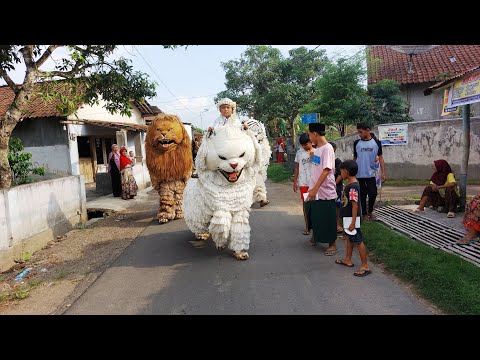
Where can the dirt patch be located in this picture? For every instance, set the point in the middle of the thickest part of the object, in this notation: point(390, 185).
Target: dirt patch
point(56, 275)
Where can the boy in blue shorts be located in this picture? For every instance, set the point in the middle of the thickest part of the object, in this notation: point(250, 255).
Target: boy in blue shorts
point(350, 212)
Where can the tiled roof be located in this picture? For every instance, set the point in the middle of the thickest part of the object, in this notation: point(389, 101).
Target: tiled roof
point(38, 107)
point(146, 108)
point(444, 61)
point(449, 80)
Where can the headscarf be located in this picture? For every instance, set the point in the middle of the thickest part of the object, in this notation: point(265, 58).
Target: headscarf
point(124, 160)
point(439, 177)
point(279, 140)
point(116, 158)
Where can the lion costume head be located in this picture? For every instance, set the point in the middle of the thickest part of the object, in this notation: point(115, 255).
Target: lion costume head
point(168, 149)
point(227, 153)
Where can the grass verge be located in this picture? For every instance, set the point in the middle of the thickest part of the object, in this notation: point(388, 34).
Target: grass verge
point(20, 292)
point(279, 173)
point(446, 280)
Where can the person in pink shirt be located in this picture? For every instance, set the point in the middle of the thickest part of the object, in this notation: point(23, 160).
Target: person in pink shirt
point(322, 193)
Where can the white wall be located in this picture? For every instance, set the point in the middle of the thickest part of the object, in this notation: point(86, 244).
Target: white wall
point(73, 150)
point(188, 127)
point(99, 113)
point(141, 175)
point(131, 141)
point(54, 158)
point(32, 214)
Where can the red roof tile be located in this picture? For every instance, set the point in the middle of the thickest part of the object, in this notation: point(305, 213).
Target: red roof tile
point(38, 107)
point(429, 66)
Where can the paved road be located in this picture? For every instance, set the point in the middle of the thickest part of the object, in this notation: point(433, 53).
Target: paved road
point(165, 271)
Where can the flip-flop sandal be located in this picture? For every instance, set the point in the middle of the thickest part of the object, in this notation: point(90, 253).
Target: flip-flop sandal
point(306, 232)
point(330, 252)
point(312, 243)
point(341, 262)
point(451, 215)
point(362, 273)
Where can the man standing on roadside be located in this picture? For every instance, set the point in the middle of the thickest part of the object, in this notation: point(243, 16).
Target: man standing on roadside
point(365, 151)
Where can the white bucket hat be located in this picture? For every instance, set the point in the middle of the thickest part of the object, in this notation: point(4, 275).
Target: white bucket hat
point(227, 101)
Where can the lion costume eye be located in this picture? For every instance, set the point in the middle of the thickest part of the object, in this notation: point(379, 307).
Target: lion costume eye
point(221, 157)
point(170, 130)
point(242, 155)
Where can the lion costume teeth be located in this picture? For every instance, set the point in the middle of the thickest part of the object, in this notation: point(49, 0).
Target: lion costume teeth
point(218, 202)
point(169, 161)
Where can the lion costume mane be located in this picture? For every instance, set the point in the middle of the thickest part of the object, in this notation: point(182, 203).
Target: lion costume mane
point(169, 161)
point(218, 202)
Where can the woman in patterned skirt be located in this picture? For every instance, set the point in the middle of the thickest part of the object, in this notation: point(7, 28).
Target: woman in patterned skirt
point(129, 185)
point(471, 221)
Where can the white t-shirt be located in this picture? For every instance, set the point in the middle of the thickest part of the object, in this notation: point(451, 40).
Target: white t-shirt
point(221, 121)
point(304, 167)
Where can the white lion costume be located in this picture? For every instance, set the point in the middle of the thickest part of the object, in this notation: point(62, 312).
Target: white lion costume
point(260, 191)
point(218, 202)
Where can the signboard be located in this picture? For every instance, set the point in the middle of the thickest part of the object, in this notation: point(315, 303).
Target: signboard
point(465, 91)
point(445, 109)
point(393, 134)
point(309, 118)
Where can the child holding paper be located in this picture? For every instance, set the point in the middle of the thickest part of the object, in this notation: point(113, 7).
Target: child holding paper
point(351, 214)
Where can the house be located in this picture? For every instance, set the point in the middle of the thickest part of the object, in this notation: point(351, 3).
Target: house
point(78, 144)
point(419, 71)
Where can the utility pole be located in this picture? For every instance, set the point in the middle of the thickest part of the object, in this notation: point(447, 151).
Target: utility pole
point(465, 155)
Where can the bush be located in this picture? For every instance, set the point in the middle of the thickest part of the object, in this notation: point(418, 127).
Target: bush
point(20, 163)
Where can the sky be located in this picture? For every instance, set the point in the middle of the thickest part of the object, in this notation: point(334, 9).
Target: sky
point(189, 79)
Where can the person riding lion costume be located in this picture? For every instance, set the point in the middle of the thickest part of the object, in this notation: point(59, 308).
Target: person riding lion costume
point(169, 161)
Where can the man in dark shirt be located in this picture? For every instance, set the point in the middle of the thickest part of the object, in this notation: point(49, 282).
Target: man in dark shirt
point(365, 151)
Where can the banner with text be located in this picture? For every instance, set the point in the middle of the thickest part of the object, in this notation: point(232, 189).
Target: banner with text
point(393, 134)
point(465, 91)
point(445, 109)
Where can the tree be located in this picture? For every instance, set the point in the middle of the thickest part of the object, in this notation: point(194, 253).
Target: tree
point(20, 163)
point(87, 73)
point(271, 88)
point(388, 104)
point(340, 98)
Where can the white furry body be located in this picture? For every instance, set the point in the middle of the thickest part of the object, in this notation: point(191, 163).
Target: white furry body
point(260, 191)
point(214, 205)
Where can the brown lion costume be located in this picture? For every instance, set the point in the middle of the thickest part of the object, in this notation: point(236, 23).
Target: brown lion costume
point(169, 161)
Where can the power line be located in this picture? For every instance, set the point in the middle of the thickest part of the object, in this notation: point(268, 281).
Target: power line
point(158, 77)
point(187, 97)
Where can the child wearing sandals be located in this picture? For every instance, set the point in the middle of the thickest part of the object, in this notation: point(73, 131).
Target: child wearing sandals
point(350, 209)
point(302, 175)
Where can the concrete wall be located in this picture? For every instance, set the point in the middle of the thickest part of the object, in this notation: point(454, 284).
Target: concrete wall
point(99, 113)
point(427, 141)
point(425, 108)
point(55, 159)
point(46, 140)
point(73, 150)
point(32, 215)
